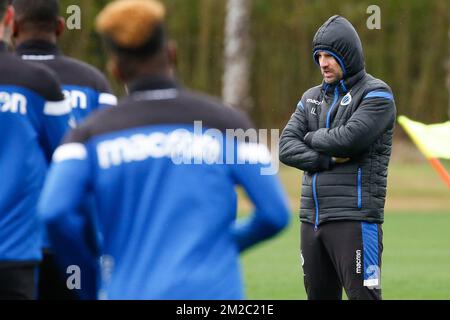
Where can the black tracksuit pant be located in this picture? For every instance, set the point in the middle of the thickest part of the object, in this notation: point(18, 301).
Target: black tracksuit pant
point(340, 255)
point(52, 284)
point(18, 281)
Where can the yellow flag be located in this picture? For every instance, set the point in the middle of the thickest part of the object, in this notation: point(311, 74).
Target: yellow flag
point(432, 140)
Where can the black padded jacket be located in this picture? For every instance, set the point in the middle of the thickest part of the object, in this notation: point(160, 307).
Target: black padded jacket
point(352, 118)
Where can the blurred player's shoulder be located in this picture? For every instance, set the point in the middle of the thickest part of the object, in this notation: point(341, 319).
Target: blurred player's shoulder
point(37, 78)
point(185, 107)
point(76, 72)
point(217, 114)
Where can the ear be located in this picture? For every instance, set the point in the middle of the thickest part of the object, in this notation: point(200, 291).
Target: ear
point(16, 29)
point(114, 69)
point(8, 20)
point(60, 26)
point(172, 54)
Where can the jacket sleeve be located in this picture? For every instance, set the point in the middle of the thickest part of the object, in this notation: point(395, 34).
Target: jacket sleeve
point(272, 213)
point(53, 118)
point(293, 150)
point(69, 223)
point(373, 117)
point(106, 97)
point(55, 125)
point(101, 85)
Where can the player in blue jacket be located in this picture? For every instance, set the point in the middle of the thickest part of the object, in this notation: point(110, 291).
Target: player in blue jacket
point(164, 187)
point(37, 27)
point(34, 117)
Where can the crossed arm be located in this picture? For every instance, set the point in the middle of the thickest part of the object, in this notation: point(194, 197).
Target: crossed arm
point(372, 118)
point(295, 152)
point(319, 150)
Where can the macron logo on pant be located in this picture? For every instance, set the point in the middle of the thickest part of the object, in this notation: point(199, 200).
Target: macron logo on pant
point(358, 262)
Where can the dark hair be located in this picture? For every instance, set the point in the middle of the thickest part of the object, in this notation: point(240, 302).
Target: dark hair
point(39, 14)
point(152, 46)
point(130, 59)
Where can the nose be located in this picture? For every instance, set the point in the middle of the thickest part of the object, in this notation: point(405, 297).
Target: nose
point(323, 62)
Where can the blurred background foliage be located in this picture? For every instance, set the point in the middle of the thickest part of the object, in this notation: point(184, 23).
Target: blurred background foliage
point(410, 52)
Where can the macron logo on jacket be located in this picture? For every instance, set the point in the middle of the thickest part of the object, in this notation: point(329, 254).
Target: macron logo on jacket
point(85, 98)
point(313, 101)
point(13, 103)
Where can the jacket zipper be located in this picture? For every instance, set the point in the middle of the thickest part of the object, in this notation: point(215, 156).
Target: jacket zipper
point(359, 188)
point(336, 97)
point(316, 200)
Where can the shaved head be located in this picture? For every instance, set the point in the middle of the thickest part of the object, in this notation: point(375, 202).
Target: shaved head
point(37, 14)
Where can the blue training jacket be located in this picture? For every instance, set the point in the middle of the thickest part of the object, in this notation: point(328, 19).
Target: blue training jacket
point(86, 87)
point(33, 120)
point(168, 225)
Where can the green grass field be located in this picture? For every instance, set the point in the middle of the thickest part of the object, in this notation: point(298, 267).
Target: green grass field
point(416, 260)
point(416, 257)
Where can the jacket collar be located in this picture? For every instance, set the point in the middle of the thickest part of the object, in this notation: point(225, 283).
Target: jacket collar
point(344, 85)
point(37, 48)
point(149, 83)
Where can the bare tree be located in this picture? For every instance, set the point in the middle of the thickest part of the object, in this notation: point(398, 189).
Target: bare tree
point(448, 74)
point(237, 55)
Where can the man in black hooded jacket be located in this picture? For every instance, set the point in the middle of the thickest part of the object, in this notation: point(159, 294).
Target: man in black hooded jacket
point(340, 135)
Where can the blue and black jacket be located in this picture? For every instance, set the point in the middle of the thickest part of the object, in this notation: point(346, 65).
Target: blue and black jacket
point(34, 116)
point(164, 186)
point(352, 118)
point(86, 87)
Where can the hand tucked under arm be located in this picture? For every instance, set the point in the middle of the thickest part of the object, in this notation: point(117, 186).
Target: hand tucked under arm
point(295, 152)
point(366, 125)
